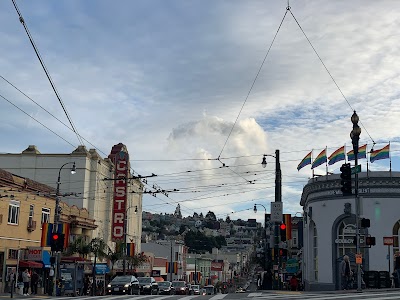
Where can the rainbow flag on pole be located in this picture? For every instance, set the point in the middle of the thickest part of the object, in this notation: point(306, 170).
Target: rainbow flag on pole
point(336, 156)
point(380, 154)
point(362, 153)
point(321, 158)
point(130, 249)
point(306, 161)
point(47, 231)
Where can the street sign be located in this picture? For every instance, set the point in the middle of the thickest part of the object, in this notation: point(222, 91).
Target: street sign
point(388, 240)
point(356, 169)
point(276, 211)
point(359, 259)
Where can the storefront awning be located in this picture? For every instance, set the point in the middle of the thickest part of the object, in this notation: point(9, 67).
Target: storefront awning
point(30, 264)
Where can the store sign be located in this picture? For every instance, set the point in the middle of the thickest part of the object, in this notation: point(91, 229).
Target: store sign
point(120, 195)
point(217, 266)
point(388, 240)
point(34, 253)
point(344, 241)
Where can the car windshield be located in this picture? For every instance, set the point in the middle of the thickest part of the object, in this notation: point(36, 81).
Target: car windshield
point(163, 284)
point(195, 287)
point(119, 279)
point(144, 280)
point(178, 283)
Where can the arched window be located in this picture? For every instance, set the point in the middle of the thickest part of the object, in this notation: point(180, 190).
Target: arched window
point(314, 235)
point(396, 229)
point(345, 237)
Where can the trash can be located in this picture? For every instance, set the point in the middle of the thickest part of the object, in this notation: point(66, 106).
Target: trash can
point(371, 279)
point(384, 279)
point(20, 288)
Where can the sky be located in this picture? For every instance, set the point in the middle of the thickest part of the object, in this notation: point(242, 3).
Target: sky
point(175, 81)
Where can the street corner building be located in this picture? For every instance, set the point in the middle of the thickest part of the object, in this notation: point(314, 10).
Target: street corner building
point(330, 227)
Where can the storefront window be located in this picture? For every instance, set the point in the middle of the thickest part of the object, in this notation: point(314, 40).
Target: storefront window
point(345, 238)
point(396, 229)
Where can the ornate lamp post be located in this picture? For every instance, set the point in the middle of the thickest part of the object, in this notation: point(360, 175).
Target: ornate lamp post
point(355, 137)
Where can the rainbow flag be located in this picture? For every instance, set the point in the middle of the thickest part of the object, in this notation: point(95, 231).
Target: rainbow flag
point(362, 153)
point(174, 268)
point(130, 249)
point(380, 154)
point(337, 156)
point(321, 158)
point(306, 161)
point(287, 220)
point(47, 231)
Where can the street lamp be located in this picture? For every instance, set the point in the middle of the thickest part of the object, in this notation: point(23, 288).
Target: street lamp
point(355, 137)
point(57, 214)
point(125, 235)
point(265, 232)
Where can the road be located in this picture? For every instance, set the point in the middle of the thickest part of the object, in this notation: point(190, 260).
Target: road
point(349, 295)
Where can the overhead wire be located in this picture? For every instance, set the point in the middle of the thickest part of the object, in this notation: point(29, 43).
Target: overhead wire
point(35, 48)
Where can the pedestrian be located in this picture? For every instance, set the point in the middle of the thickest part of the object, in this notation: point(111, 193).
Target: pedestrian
point(346, 272)
point(294, 283)
point(397, 268)
point(26, 279)
point(34, 282)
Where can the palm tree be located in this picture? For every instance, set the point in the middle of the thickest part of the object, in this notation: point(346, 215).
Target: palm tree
point(99, 248)
point(137, 260)
point(80, 246)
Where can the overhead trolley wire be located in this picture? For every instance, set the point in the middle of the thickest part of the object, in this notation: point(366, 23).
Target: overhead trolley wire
point(21, 19)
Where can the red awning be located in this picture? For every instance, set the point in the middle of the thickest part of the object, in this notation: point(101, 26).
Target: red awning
point(30, 264)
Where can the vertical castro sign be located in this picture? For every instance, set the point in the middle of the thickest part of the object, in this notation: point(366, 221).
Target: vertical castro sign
point(120, 195)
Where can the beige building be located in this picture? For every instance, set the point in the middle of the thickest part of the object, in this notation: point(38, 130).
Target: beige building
point(90, 188)
point(24, 206)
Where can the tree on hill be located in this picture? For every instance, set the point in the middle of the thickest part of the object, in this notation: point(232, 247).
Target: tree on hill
point(211, 216)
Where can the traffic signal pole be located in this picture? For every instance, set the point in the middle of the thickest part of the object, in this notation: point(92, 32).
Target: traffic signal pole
point(278, 198)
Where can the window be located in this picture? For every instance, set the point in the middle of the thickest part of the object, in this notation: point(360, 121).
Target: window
point(13, 212)
point(396, 234)
point(31, 212)
point(45, 215)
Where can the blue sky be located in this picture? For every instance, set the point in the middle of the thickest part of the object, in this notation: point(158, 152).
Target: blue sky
point(168, 79)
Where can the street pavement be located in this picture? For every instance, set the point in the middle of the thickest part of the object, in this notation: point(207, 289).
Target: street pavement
point(391, 294)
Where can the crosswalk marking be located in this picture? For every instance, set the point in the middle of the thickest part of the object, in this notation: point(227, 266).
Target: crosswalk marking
point(219, 296)
point(254, 295)
point(332, 296)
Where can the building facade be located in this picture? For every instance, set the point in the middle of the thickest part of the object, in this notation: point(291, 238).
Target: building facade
point(330, 227)
point(91, 188)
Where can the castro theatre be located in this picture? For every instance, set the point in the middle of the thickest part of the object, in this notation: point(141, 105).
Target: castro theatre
point(329, 226)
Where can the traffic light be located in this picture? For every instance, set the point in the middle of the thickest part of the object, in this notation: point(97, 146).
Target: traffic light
point(282, 252)
point(282, 229)
point(370, 241)
point(57, 242)
point(346, 179)
point(365, 223)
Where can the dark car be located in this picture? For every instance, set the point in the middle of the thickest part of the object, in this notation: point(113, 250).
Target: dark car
point(148, 285)
point(180, 287)
point(124, 285)
point(166, 288)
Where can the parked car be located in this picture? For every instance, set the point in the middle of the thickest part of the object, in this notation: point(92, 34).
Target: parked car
point(180, 287)
point(166, 288)
point(196, 289)
point(124, 285)
point(148, 285)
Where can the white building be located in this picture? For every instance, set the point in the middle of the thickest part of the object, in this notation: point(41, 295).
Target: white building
point(85, 189)
point(329, 226)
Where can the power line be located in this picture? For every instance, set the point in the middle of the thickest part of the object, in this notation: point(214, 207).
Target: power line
point(21, 19)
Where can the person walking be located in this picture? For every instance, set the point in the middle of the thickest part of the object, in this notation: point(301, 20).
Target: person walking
point(346, 272)
point(26, 279)
point(34, 282)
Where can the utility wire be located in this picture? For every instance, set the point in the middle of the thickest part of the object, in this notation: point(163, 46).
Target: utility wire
point(326, 68)
point(252, 85)
point(21, 19)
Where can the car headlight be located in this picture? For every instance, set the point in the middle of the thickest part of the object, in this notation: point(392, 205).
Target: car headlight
point(109, 285)
point(147, 286)
point(126, 285)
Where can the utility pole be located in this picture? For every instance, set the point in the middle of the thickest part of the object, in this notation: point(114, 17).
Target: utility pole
point(278, 198)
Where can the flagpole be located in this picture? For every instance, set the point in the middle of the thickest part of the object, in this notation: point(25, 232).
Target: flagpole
point(326, 161)
point(345, 154)
point(390, 162)
point(367, 160)
point(312, 152)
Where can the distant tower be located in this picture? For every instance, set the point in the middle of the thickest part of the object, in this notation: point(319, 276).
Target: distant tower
point(177, 213)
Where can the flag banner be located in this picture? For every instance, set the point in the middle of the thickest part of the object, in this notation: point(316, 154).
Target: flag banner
point(336, 156)
point(47, 231)
point(306, 161)
point(130, 249)
point(379, 154)
point(174, 268)
point(287, 219)
point(321, 158)
point(362, 153)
